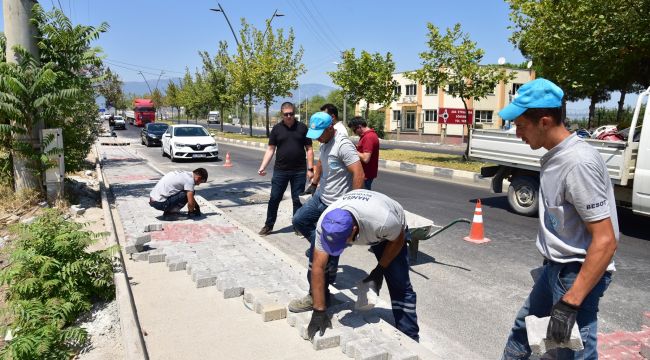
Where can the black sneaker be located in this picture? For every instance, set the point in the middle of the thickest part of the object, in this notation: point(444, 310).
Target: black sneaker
point(266, 230)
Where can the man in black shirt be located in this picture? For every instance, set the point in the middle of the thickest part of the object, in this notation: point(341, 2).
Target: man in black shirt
point(293, 163)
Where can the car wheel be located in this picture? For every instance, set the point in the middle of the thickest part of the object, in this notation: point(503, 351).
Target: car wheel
point(523, 195)
point(162, 151)
point(171, 155)
point(142, 141)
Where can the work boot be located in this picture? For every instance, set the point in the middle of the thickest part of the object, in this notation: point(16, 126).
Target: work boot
point(266, 230)
point(301, 305)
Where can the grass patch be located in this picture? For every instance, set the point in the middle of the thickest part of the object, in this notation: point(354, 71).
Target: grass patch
point(415, 157)
point(433, 159)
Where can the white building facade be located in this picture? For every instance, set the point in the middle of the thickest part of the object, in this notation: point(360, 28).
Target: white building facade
point(424, 113)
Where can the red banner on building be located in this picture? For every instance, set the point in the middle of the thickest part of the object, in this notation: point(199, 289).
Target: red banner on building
point(455, 116)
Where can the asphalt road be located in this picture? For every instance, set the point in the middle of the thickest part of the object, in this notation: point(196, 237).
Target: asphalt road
point(468, 294)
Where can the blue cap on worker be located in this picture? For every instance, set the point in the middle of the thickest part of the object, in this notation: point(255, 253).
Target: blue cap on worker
point(537, 94)
point(336, 228)
point(318, 123)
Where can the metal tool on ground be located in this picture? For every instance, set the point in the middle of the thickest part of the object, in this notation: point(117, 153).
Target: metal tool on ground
point(476, 233)
point(425, 233)
point(228, 162)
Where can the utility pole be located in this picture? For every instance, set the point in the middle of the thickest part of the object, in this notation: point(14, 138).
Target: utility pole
point(20, 31)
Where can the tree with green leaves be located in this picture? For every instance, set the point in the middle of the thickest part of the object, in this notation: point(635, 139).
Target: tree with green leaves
point(110, 87)
point(158, 101)
point(56, 89)
point(218, 78)
point(276, 66)
point(369, 77)
point(242, 69)
point(336, 97)
point(173, 97)
point(454, 61)
point(588, 47)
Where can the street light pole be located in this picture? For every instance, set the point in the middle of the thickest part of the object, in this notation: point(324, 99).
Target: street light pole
point(221, 10)
point(268, 24)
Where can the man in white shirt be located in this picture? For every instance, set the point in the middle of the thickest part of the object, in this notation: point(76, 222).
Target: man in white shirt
point(364, 217)
point(175, 190)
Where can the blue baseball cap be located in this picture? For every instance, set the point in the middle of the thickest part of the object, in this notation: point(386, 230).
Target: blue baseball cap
point(336, 228)
point(536, 94)
point(318, 123)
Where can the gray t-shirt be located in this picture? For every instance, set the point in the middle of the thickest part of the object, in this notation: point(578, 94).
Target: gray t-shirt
point(335, 157)
point(380, 218)
point(172, 183)
point(574, 188)
point(341, 129)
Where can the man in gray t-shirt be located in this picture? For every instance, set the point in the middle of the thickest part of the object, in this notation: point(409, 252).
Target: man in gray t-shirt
point(578, 232)
point(340, 171)
point(176, 189)
point(364, 217)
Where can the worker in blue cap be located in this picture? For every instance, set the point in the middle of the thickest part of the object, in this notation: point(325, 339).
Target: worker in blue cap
point(578, 225)
point(365, 217)
point(338, 171)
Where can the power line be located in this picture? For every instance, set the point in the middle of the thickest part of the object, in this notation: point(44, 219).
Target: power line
point(310, 27)
point(319, 25)
point(145, 67)
point(315, 25)
point(134, 70)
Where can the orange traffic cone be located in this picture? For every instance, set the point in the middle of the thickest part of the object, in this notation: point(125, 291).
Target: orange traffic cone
point(476, 232)
point(228, 162)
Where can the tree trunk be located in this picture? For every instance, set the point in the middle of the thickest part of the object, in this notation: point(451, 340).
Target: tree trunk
point(367, 111)
point(469, 129)
point(20, 31)
point(266, 106)
point(250, 113)
point(621, 103)
point(592, 110)
point(221, 118)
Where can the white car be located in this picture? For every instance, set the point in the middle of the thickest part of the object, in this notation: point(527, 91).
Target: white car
point(119, 122)
point(189, 142)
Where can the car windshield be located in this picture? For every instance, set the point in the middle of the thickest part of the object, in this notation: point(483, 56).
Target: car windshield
point(118, 118)
point(190, 131)
point(157, 127)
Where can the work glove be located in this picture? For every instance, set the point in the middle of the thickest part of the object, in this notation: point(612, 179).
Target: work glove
point(319, 321)
point(310, 190)
point(375, 279)
point(563, 317)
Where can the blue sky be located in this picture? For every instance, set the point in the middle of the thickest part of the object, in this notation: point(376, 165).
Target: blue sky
point(155, 35)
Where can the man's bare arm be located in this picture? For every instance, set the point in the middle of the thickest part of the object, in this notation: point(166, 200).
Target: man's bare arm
point(357, 175)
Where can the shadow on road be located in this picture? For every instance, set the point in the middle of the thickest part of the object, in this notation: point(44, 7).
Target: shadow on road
point(633, 225)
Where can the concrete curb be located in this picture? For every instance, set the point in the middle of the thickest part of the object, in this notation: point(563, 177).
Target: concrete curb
point(434, 172)
point(133, 342)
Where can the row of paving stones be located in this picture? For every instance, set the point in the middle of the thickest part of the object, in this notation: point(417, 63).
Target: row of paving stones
point(215, 252)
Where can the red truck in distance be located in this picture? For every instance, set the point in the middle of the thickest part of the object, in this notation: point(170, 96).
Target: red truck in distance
point(144, 111)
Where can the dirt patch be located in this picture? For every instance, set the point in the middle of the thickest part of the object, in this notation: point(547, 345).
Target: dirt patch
point(103, 326)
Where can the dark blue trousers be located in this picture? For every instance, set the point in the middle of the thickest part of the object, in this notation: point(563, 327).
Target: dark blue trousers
point(279, 183)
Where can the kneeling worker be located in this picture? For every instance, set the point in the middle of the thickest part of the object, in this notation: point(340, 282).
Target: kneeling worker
point(176, 189)
point(364, 217)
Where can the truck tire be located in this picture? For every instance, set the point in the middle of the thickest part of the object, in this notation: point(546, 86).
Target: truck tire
point(523, 195)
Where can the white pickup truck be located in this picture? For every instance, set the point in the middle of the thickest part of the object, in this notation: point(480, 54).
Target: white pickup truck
point(628, 163)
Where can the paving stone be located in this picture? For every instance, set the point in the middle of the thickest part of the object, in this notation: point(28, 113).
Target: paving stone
point(296, 319)
point(352, 345)
point(156, 257)
point(536, 330)
point(140, 256)
point(398, 352)
point(272, 311)
point(177, 265)
point(153, 227)
point(132, 249)
point(204, 279)
point(331, 338)
point(142, 239)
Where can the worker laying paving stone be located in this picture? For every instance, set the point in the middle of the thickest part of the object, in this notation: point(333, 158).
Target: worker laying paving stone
point(215, 252)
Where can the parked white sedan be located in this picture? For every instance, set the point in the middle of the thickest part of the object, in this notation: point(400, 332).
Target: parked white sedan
point(189, 142)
